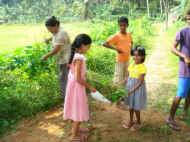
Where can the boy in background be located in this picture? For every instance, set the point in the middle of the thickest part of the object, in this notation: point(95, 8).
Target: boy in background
point(121, 42)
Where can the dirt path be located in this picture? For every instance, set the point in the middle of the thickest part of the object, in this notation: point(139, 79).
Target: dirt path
point(161, 77)
point(157, 64)
point(50, 127)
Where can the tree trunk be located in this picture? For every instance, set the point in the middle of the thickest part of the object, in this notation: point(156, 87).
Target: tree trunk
point(148, 9)
point(161, 8)
point(86, 4)
point(166, 7)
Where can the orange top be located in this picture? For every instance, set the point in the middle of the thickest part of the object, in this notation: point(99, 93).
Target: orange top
point(123, 42)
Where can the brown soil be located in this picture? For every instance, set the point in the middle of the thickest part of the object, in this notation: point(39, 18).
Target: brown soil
point(50, 127)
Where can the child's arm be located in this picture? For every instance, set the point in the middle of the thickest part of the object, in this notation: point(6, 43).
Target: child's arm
point(54, 51)
point(47, 40)
point(178, 53)
point(140, 82)
point(107, 45)
point(78, 67)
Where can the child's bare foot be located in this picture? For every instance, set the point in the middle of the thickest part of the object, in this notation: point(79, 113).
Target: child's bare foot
point(127, 126)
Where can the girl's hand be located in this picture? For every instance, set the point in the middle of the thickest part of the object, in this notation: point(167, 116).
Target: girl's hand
point(92, 89)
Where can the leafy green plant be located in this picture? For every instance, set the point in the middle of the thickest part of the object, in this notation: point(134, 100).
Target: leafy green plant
point(25, 84)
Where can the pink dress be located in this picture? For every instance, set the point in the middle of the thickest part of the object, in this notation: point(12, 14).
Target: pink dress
point(76, 101)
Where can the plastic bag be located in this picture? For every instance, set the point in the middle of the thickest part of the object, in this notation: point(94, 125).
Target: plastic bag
point(99, 97)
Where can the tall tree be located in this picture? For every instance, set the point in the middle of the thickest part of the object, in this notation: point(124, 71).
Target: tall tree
point(161, 7)
point(86, 5)
point(166, 7)
point(148, 8)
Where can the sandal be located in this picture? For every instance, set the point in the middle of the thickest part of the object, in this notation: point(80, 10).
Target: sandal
point(168, 121)
point(127, 126)
point(173, 125)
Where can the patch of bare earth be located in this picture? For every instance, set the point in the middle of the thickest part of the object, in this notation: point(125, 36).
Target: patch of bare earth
point(50, 127)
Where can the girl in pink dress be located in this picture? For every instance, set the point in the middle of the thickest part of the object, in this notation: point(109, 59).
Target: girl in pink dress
point(76, 101)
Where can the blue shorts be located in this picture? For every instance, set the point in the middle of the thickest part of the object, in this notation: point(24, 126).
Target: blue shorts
point(183, 87)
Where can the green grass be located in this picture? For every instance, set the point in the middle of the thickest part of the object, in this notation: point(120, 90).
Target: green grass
point(14, 36)
point(19, 35)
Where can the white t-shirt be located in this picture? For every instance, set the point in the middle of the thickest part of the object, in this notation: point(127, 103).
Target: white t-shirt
point(62, 38)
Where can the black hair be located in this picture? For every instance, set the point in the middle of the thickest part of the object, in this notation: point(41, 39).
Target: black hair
point(81, 39)
point(52, 22)
point(141, 52)
point(123, 19)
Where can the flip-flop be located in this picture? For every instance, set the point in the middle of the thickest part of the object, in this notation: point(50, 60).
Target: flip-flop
point(127, 126)
point(172, 122)
point(173, 125)
point(176, 128)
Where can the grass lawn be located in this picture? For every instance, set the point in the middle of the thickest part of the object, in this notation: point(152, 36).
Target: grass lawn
point(14, 36)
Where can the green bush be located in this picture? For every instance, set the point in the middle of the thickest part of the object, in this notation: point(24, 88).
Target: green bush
point(103, 83)
point(27, 85)
point(101, 60)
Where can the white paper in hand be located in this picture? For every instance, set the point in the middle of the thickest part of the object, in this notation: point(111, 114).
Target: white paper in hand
point(99, 97)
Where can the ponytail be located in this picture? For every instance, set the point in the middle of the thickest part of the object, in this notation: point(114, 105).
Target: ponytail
point(72, 54)
point(81, 39)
